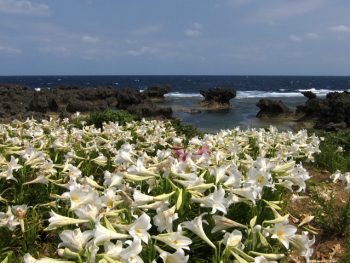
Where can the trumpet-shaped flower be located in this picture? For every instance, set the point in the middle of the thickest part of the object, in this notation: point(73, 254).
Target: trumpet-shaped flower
point(8, 220)
point(102, 234)
point(131, 253)
point(139, 228)
point(177, 257)
point(165, 218)
point(233, 240)
point(196, 226)
point(80, 197)
point(113, 250)
point(216, 201)
point(223, 223)
point(175, 240)
point(12, 166)
point(284, 233)
point(30, 259)
point(303, 245)
point(262, 259)
point(113, 179)
point(57, 220)
point(75, 239)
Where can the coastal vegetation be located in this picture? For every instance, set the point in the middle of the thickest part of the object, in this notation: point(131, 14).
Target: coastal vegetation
point(111, 187)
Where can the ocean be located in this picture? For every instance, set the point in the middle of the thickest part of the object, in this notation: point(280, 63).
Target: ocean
point(184, 95)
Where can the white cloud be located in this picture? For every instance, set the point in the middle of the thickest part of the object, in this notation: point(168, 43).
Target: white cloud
point(9, 50)
point(58, 50)
point(295, 38)
point(312, 35)
point(24, 7)
point(144, 50)
point(194, 31)
point(289, 9)
point(340, 29)
point(146, 30)
point(90, 39)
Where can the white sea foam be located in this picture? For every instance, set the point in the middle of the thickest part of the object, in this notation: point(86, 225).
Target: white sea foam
point(259, 94)
point(182, 95)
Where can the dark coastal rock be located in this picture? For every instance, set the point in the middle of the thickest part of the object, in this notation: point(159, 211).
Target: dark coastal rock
point(156, 92)
point(331, 112)
point(217, 98)
point(272, 108)
point(19, 102)
point(150, 110)
point(38, 103)
point(309, 94)
point(331, 126)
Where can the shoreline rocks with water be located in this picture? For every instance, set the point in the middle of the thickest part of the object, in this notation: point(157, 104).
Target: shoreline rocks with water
point(272, 108)
point(157, 92)
point(21, 102)
point(217, 98)
point(329, 113)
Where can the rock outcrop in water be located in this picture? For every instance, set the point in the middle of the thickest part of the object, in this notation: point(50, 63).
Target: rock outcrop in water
point(217, 98)
point(330, 113)
point(272, 108)
point(157, 92)
point(19, 102)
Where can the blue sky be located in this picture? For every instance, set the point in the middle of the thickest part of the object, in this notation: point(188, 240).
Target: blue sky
point(225, 37)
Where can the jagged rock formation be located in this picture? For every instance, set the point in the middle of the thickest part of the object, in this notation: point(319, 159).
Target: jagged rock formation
point(217, 98)
point(19, 102)
point(272, 108)
point(330, 113)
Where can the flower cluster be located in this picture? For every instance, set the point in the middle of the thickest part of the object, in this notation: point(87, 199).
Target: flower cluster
point(142, 193)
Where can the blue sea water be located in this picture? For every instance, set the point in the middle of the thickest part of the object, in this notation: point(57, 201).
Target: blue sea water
point(185, 96)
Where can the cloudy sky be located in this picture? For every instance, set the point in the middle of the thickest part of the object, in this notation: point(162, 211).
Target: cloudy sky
point(225, 37)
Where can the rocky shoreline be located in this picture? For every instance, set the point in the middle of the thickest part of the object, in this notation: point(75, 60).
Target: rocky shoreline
point(21, 102)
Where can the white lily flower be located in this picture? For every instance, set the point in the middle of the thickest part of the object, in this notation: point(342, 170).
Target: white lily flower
point(175, 240)
point(102, 234)
point(113, 250)
point(303, 245)
point(177, 257)
point(139, 228)
point(113, 179)
point(11, 167)
point(131, 253)
point(57, 220)
point(248, 193)
point(216, 201)
point(75, 239)
point(80, 197)
point(29, 259)
point(165, 218)
point(284, 232)
point(140, 169)
point(100, 160)
point(262, 259)
point(233, 240)
point(141, 198)
point(8, 220)
point(223, 223)
point(73, 171)
point(196, 226)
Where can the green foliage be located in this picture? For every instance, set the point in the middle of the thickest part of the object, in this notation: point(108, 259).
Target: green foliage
point(332, 157)
point(99, 117)
point(188, 130)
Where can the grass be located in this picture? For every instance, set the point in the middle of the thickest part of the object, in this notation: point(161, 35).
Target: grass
point(332, 157)
point(330, 203)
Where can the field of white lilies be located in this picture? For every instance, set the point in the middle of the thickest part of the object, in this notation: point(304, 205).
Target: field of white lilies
point(143, 193)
